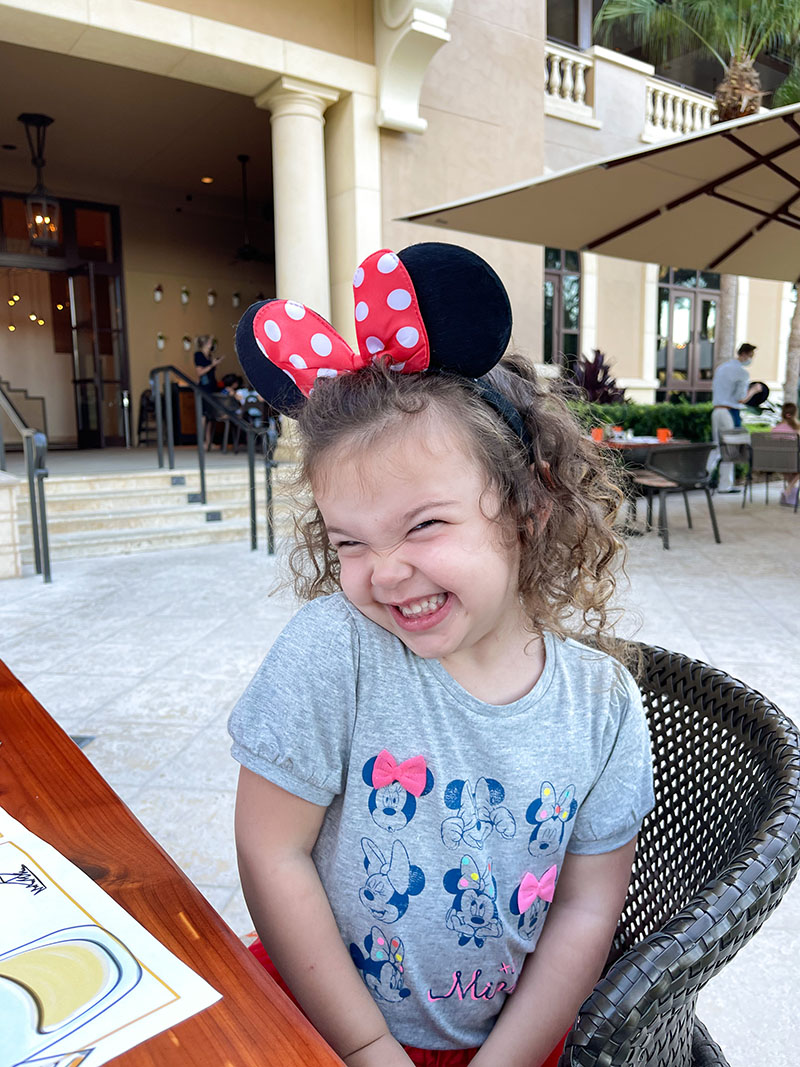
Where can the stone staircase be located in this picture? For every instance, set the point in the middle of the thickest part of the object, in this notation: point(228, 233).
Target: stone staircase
point(141, 511)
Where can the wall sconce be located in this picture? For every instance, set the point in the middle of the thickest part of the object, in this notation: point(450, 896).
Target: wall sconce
point(211, 297)
point(236, 299)
point(42, 211)
point(161, 341)
point(186, 341)
point(185, 294)
point(158, 293)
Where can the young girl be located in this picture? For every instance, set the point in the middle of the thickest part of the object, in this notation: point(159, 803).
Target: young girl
point(440, 789)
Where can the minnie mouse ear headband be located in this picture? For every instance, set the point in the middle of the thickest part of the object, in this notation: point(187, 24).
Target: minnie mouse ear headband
point(430, 307)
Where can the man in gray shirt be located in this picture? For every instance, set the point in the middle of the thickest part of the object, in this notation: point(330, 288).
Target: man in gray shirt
point(731, 391)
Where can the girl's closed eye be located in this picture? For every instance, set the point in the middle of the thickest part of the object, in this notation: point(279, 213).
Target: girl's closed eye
point(425, 525)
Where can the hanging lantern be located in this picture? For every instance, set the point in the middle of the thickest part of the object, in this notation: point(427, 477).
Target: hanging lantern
point(185, 294)
point(186, 341)
point(158, 293)
point(42, 211)
point(236, 299)
point(211, 297)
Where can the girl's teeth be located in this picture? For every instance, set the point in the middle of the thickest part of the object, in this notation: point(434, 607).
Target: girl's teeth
point(423, 606)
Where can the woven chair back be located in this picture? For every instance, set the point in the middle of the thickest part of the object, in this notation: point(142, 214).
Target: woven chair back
point(776, 453)
point(684, 464)
point(714, 857)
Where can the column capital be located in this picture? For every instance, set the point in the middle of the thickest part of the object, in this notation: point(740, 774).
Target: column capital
point(294, 96)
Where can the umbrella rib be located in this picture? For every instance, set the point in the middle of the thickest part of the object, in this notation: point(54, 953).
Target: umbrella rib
point(790, 178)
point(695, 193)
point(771, 217)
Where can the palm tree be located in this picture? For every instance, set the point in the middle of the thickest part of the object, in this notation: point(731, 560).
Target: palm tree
point(735, 33)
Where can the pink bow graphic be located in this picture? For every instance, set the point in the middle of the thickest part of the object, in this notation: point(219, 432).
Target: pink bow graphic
point(411, 773)
point(532, 888)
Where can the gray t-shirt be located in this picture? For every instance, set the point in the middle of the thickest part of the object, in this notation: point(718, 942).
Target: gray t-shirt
point(448, 818)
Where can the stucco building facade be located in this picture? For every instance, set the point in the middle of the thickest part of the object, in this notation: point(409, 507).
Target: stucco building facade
point(351, 113)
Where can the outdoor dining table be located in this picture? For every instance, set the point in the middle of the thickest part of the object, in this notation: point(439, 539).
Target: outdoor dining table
point(49, 785)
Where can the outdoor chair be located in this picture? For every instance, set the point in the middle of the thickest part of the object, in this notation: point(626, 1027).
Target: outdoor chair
point(675, 469)
point(773, 453)
point(714, 857)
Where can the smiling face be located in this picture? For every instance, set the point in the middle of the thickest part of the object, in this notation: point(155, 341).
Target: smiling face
point(419, 551)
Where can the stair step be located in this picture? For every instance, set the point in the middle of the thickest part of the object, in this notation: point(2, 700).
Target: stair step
point(86, 544)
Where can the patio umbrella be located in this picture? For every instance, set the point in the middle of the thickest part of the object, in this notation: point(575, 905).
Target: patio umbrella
point(726, 199)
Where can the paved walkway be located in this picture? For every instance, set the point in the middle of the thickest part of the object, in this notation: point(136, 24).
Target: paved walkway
point(146, 654)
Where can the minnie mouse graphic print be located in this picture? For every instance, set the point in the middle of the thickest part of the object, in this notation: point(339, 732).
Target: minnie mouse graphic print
point(440, 854)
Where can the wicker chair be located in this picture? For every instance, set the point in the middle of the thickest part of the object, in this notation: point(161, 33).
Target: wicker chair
point(706, 874)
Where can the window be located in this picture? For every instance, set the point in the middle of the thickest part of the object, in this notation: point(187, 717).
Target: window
point(688, 302)
point(562, 306)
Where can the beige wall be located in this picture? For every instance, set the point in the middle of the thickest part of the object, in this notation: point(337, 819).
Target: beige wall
point(176, 250)
point(764, 330)
point(483, 100)
point(340, 26)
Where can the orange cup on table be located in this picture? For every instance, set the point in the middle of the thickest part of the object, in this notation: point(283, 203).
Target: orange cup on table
point(597, 433)
point(663, 434)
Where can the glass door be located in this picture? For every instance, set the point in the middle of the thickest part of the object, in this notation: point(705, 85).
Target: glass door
point(687, 320)
point(98, 356)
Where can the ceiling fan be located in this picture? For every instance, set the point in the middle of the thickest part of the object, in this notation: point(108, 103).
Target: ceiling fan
point(248, 252)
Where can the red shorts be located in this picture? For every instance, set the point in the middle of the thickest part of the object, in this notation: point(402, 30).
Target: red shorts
point(457, 1057)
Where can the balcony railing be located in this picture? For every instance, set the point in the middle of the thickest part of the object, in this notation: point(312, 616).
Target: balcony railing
point(568, 83)
point(574, 80)
point(673, 110)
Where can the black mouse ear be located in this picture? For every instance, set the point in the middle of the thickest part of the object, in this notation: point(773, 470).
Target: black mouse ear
point(268, 380)
point(464, 306)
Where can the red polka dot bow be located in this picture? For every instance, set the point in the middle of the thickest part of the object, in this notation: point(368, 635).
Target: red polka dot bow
point(388, 326)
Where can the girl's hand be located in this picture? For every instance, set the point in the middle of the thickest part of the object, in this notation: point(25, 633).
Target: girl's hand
point(386, 1051)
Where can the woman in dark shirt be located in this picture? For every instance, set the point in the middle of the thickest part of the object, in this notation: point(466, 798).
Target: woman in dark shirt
point(204, 366)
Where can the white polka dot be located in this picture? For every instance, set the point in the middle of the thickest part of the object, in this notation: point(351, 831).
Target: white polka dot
point(397, 366)
point(362, 310)
point(374, 344)
point(294, 310)
point(358, 277)
point(327, 372)
point(321, 344)
point(298, 361)
point(398, 299)
point(272, 330)
point(407, 336)
point(387, 262)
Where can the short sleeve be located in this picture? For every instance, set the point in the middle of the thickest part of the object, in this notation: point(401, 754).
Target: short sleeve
point(294, 723)
point(622, 793)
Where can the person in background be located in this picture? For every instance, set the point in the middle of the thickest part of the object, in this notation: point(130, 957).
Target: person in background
point(204, 364)
point(731, 392)
point(789, 424)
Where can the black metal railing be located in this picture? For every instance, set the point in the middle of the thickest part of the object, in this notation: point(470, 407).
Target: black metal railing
point(162, 380)
point(34, 448)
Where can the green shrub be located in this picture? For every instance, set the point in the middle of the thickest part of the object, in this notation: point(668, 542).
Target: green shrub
point(692, 422)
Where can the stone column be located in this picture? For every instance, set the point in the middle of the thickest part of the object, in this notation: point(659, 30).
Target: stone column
point(297, 110)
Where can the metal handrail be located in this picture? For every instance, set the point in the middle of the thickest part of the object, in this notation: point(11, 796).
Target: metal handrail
point(34, 447)
point(162, 376)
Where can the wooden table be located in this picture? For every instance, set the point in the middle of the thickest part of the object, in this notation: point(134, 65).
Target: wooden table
point(48, 784)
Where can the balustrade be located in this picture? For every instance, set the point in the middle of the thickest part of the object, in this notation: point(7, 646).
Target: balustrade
point(671, 111)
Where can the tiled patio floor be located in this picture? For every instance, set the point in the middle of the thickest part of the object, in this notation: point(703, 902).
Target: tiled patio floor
point(146, 655)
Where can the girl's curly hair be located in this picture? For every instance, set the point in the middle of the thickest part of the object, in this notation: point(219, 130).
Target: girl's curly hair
point(559, 502)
